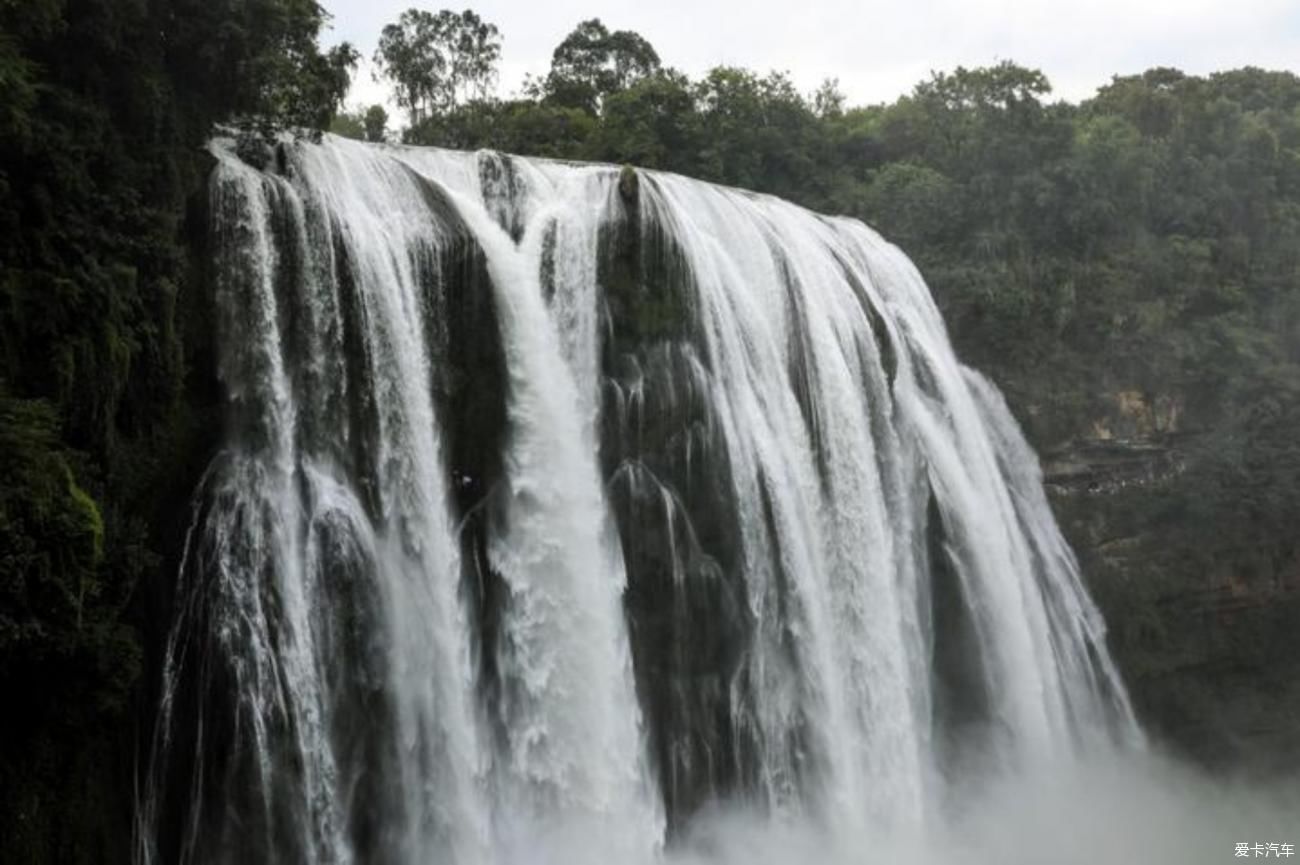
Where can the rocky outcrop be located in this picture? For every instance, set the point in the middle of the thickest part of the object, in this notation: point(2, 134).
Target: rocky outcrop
point(1091, 466)
point(1204, 630)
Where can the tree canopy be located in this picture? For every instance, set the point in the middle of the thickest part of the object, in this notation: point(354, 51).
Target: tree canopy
point(364, 124)
point(593, 63)
point(438, 61)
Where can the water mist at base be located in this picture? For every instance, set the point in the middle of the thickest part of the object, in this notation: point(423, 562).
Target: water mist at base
point(1115, 809)
point(568, 515)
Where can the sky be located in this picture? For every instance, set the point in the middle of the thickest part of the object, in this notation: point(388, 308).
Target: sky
point(877, 50)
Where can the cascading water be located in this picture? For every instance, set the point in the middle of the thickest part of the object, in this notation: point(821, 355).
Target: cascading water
point(560, 503)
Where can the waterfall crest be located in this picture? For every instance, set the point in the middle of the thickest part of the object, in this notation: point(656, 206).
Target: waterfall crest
point(558, 504)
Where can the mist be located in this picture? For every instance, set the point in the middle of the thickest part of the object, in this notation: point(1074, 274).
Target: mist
point(1115, 808)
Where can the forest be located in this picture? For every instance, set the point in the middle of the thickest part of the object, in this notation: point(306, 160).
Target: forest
point(1145, 240)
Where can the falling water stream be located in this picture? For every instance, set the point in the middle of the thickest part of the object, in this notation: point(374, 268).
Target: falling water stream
point(560, 507)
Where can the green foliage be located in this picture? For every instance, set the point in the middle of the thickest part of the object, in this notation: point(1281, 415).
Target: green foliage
point(652, 123)
point(349, 124)
point(375, 122)
point(438, 61)
point(828, 101)
point(67, 657)
point(593, 63)
point(255, 62)
point(104, 107)
point(53, 535)
point(921, 201)
point(363, 124)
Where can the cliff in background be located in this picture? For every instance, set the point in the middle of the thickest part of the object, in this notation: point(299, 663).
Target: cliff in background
point(1203, 623)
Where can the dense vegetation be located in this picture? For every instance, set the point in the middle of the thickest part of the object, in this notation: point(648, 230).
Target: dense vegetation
point(1145, 241)
point(104, 108)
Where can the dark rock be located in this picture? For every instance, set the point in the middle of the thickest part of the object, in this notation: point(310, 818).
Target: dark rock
point(1107, 466)
point(629, 185)
point(1204, 633)
point(255, 151)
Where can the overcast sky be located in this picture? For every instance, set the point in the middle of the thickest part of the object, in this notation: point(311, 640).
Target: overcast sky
point(879, 50)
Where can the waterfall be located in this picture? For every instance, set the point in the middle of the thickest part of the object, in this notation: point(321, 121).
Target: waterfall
point(559, 505)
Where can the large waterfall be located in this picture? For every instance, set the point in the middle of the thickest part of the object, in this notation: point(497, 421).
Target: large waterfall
point(561, 505)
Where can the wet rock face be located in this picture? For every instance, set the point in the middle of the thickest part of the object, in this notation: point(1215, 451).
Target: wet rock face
point(1210, 654)
point(1205, 633)
point(671, 492)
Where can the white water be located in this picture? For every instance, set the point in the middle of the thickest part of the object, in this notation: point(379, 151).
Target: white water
point(336, 687)
point(573, 750)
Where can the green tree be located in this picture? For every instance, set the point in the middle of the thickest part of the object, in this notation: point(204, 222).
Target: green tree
point(592, 63)
point(653, 123)
point(476, 51)
point(375, 123)
point(349, 123)
point(254, 61)
point(758, 132)
point(438, 61)
point(363, 124)
point(828, 100)
point(408, 57)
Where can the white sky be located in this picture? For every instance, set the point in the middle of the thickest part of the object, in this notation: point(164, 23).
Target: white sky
point(878, 50)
